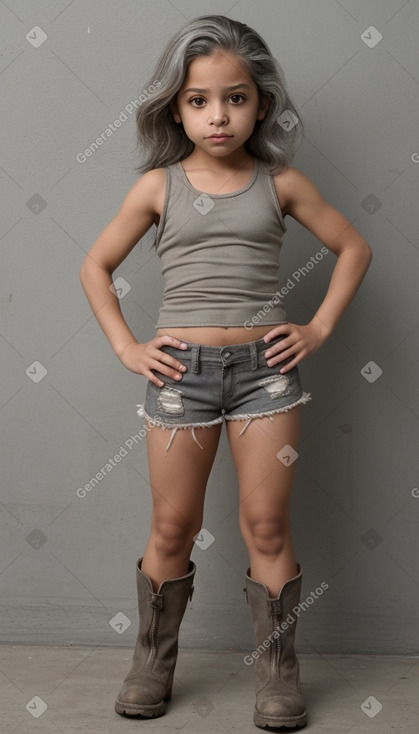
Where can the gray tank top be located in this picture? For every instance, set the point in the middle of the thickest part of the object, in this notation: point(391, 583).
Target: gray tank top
point(220, 253)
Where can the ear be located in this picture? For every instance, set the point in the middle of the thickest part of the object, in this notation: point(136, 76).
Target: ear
point(263, 106)
point(175, 113)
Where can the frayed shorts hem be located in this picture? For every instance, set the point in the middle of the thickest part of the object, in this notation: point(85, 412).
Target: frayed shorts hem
point(305, 398)
point(164, 425)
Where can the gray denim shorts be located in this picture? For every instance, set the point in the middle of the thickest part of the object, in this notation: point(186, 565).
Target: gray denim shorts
point(232, 382)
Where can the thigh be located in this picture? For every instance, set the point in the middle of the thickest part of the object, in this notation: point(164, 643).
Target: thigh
point(265, 481)
point(178, 477)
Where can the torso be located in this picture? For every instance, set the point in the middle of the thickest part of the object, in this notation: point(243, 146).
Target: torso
point(214, 335)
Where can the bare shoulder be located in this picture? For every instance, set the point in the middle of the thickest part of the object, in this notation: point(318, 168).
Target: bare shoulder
point(150, 184)
point(294, 188)
point(148, 192)
point(153, 179)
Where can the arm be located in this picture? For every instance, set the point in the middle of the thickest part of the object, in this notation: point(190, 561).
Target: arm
point(133, 220)
point(301, 200)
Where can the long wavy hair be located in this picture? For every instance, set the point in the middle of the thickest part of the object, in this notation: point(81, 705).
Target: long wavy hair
point(165, 142)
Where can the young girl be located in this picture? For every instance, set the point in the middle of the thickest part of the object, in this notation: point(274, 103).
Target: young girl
point(219, 129)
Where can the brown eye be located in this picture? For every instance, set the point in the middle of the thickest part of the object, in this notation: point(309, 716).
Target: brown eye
point(237, 98)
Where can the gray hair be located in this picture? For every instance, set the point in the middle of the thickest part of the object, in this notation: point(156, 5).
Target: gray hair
point(165, 141)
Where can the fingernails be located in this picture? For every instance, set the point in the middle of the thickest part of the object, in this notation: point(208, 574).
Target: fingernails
point(184, 346)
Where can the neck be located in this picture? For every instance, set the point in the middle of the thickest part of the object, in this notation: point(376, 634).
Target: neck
point(237, 160)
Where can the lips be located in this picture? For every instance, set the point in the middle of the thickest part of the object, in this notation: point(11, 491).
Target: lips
point(222, 135)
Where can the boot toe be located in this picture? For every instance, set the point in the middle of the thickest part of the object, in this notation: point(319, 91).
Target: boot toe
point(281, 707)
point(141, 696)
point(131, 696)
point(277, 711)
point(134, 701)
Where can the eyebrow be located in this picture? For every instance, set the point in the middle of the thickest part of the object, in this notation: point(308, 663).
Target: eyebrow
point(226, 89)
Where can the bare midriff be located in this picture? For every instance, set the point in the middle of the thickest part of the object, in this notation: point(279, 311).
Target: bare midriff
point(216, 336)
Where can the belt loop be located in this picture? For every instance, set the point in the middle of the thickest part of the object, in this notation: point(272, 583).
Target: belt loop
point(253, 355)
point(195, 358)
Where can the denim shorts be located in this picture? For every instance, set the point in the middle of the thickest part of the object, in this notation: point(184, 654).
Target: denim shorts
point(232, 382)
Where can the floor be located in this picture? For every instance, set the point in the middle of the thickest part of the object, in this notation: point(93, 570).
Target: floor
point(64, 690)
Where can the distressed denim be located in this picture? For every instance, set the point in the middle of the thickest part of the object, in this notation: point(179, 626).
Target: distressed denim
point(232, 382)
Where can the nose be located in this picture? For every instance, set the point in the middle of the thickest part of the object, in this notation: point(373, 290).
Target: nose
point(217, 115)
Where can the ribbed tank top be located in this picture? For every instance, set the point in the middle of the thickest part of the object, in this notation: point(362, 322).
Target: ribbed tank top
point(220, 253)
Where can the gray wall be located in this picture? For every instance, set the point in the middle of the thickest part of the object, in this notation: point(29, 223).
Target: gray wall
point(67, 563)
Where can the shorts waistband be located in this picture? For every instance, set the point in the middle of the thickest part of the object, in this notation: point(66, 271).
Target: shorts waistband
point(228, 354)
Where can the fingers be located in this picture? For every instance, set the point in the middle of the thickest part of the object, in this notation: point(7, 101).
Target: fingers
point(165, 363)
point(292, 346)
point(167, 359)
point(277, 331)
point(277, 359)
point(170, 340)
point(300, 342)
point(290, 365)
point(279, 348)
point(175, 373)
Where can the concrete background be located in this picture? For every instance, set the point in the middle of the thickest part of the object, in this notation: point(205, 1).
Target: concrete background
point(67, 563)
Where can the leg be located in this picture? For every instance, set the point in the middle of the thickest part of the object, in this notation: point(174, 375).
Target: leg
point(178, 481)
point(273, 582)
point(265, 494)
point(165, 573)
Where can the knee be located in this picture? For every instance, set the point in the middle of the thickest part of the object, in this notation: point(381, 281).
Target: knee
point(268, 537)
point(172, 538)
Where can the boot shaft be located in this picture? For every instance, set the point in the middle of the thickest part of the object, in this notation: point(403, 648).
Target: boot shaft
point(160, 615)
point(274, 623)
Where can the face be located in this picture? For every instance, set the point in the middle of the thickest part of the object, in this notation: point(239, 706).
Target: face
point(218, 98)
